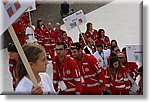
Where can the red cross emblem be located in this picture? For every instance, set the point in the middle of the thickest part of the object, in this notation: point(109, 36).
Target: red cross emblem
point(11, 6)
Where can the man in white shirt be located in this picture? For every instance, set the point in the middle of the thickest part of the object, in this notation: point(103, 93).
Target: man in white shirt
point(30, 34)
point(102, 55)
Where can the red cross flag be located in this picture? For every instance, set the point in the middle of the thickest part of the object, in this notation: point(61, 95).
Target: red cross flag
point(11, 10)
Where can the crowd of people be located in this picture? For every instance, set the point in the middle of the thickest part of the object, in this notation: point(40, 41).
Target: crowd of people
point(92, 66)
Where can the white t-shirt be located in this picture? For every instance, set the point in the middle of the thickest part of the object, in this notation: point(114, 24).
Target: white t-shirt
point(30, 30)
point(102, 58)
point(31, 38)
point(25, 85)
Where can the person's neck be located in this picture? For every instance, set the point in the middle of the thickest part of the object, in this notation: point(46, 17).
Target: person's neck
point(80, 56)
point(89, 46)
point(61, 58)
point(90, 30)
point(100, 52)
point(38, 78)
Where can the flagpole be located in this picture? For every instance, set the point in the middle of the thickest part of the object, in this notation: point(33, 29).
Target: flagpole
point(30, 18)
point(31, 22)
point(22, 55)
point(81, 35)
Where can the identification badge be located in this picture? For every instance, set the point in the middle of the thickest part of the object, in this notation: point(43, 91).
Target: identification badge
point(82, 80)
point(62, 85)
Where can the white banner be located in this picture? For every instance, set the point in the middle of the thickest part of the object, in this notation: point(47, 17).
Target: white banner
point(76, 19)
point(32, 7)
point(134, 53)
point(11, 10)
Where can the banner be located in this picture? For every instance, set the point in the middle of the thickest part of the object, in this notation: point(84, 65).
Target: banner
point(76, 19)
point(134, 53)
point(32, 7)
point(11, 10)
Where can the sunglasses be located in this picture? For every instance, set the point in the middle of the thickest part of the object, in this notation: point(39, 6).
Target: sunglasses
point(73, 47)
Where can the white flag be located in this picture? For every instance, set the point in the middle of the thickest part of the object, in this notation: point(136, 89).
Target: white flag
point(11, 10)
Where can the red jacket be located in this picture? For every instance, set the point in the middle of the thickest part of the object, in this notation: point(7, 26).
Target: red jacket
point(25, 18)
point(49, 37)
point(95, 34)
point(91, 71)
point(20, 31)
point(58, 35)
point(82, 43)
point(132, 69)
point(68, 41)
point(49, 42)
point(68, 72)
point(12, 70)
point(40, 34)
point(105, 42)
point(117, 83)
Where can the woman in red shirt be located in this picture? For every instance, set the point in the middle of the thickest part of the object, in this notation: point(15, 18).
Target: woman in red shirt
point(103, 39)
point(117, 82)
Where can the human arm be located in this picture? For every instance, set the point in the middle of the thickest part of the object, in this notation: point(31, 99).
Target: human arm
point(77, 77)
point(100, 72)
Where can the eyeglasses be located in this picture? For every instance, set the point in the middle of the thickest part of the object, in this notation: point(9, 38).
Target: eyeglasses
point(59, 49)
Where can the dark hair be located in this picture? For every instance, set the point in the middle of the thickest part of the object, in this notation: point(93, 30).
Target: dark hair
point(112, 61)
point(112, 49)
point(140, 69)
point(11, 47)
point(61, 43)
point(38, 23)
point(124, 49)
point(113, 41)
point(63, 32)
point(88, 25)
point(80, 36)
point(99, 45)
point(99, 33)
point(75, 45)
point(32, 52)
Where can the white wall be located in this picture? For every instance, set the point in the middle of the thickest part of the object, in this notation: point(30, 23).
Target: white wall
point(121, 20)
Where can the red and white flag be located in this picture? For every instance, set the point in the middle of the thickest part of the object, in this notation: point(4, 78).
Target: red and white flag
point(11, 10)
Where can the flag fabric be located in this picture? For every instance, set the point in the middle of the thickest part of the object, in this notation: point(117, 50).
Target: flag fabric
point(76, 19)
point(32, 7)
point(11, 10)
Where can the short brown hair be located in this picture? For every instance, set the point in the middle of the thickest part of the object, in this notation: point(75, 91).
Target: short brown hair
point(75, 45)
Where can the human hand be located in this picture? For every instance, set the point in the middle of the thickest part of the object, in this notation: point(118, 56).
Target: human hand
point(37, 90)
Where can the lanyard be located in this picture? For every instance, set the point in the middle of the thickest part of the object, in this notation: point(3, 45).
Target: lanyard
point(102, 58)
